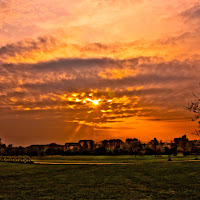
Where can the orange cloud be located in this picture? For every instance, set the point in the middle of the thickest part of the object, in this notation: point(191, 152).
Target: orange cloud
point(98, 65)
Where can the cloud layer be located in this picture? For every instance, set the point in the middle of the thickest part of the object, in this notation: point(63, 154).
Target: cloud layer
point(95, 67)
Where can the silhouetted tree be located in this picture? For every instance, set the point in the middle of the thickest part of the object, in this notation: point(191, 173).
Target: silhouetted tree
point(2, 152)
point(116, 150)
point(154, 144)
point(21, 150)
point(100, 151)
point(194, 107)
point(168, 152)
point(33, 152)
point(183, 144)
point(174, 150)
point(195, 150)
point(3, 146)
point(136, 147)
point(50, 151)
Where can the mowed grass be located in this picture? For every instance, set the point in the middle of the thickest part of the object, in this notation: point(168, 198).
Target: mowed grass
point(143, 180)
point(109, 159)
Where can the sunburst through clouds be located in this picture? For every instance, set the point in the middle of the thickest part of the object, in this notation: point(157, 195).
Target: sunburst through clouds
point(111, 69)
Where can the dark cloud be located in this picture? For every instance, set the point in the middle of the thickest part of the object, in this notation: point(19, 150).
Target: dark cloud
point(41, 43)
point(71, 64)
point(93, 83)
point(146, 88)
point(192, 13)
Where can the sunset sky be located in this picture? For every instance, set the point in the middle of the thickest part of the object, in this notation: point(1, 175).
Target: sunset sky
point(97, 69)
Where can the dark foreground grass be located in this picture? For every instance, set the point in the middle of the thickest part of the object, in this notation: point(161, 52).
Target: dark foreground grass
point(153, 180)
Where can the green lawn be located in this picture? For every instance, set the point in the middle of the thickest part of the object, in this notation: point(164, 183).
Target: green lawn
point(109, 159)
point(143, 180)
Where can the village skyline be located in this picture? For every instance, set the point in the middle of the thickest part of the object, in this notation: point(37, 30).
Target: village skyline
point(108, 147)
point(95, 69)
point(107, 141)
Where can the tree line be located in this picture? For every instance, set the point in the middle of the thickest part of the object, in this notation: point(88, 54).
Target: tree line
point(130, 147)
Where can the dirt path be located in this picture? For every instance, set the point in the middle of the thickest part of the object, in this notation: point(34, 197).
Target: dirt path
point(85, 163)
point(51, 163)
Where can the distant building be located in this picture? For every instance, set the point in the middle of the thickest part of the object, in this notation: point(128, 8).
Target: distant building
point(112, 143)
point(154, 142)
point(86, 143)
point(182, 139)
point(71, 145)
point(38, 146)
point(161, 143)
point(47, 146)
point(129, 141)
point(105, 143)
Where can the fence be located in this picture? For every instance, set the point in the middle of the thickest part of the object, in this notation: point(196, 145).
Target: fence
point(16, 160)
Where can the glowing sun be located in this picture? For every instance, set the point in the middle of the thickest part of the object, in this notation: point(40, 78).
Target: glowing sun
point(95, 102)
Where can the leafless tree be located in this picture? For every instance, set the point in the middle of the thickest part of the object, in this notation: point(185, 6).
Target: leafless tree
point(194, 107)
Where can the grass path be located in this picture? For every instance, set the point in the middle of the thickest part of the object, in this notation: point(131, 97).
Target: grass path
point(88, 163)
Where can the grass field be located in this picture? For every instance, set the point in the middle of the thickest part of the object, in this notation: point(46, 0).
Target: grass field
point(109, 159)
point(149, 178)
